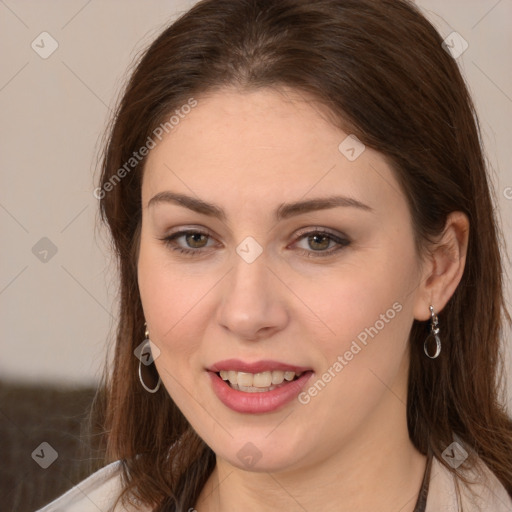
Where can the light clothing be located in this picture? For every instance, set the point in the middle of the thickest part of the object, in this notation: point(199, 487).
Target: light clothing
point(98, 492)
point(485, 494)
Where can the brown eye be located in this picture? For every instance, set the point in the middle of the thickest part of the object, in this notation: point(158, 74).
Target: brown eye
point(189, 242)
point(319, 242)
point(196, 240)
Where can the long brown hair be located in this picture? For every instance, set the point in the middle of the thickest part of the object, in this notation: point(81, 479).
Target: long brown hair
point(380, 69)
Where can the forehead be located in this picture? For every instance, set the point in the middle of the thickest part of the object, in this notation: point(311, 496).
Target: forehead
point(263, 145)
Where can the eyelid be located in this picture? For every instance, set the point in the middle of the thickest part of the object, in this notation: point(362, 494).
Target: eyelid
point(340, 239)
point(189, 229)
point(320, 229)
point(169, 238)
point(192, 229)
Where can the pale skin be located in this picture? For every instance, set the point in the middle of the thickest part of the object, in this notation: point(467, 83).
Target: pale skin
point(348, 449)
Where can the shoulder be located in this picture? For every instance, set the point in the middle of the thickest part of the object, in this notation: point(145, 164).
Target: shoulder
point(99, 491)
point(484, 493)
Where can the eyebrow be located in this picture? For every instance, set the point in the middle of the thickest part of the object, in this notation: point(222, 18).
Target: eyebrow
point(284, 211)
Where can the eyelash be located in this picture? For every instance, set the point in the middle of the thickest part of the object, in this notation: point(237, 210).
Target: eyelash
point(342, 243)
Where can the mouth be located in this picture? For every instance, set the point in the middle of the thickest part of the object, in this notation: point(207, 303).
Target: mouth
point(257, 382)
point(260, 387)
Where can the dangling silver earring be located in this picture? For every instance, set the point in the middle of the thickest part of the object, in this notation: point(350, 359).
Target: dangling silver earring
point(434, 334)
point(145, 351)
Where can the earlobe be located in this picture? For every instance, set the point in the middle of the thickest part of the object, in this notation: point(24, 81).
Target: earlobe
point(445, 267)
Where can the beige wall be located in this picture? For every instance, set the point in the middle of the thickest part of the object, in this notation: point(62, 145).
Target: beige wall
point(55, 315)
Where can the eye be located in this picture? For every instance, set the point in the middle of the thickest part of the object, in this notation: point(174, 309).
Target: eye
point(193, 241)
point(321, 243)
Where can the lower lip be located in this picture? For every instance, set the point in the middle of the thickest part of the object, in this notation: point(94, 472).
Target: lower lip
point(259, 402)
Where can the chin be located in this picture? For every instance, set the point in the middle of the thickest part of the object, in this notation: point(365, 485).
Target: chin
point(257, 453)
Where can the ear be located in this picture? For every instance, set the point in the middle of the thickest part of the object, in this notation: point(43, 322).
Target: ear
point(443, 266)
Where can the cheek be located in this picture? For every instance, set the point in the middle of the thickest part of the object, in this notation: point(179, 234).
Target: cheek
point(175, 303)
point(171, 310)
point(370, 312)
point(365, 299)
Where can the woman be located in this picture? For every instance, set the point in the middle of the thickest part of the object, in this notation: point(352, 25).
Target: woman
point(311, 290)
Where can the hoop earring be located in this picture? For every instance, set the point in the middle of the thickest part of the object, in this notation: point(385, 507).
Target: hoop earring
point(145, 350)
point(434, 334)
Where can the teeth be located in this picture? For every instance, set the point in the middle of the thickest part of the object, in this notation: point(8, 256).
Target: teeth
point(253, 389)
point(277, 377)
point(261, 380)
point(244, 381)
point(232, 376)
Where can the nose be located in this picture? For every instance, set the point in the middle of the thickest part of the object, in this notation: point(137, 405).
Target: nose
point(253, 305)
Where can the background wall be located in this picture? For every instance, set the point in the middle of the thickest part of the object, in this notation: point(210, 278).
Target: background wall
point(63, 64)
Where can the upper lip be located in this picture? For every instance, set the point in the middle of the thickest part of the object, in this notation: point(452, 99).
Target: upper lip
point(256, 366)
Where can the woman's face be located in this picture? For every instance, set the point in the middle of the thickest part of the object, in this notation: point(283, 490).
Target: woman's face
point(261, 273)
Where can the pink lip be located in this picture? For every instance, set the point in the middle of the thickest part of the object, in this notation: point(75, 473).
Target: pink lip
point(260, 402)
point(255, 367)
